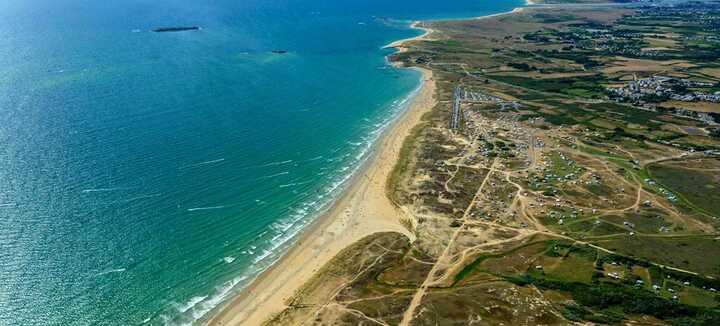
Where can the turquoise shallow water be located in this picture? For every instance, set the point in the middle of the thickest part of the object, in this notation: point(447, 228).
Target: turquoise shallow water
point(145, 177)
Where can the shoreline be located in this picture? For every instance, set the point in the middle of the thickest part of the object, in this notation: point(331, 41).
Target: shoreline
point(347, 220)
point(399, 45)
point(362, 209)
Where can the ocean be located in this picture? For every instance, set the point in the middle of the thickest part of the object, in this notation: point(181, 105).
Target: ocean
point(146, 177)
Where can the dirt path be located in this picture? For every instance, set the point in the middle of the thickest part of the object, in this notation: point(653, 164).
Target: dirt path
point(420, 293)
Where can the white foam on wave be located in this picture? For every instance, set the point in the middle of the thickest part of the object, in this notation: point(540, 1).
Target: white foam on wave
point(197, 307)
point(272, 175)
point(285, 230)
point(229, 259)
point(265, 254)
point(110, 271)
point(269, 164)
point(201, 164)
point(288, 228)
point(294, 184)
point(192, 303)
point(208, 208)
point(251, 250)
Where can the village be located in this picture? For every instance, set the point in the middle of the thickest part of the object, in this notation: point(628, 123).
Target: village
point(660, 88)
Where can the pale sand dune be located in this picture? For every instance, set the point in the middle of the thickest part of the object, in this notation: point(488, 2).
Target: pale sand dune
point(364, 209)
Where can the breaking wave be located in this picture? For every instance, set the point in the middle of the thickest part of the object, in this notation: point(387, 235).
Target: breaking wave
point(270, 246)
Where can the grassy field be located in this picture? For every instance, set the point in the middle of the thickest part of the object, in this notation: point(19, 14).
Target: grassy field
point(587, 86)
point(553, 201)
point(700, 254)
point(701, 188)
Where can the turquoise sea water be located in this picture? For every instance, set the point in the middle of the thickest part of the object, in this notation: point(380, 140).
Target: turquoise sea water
point(146, 177)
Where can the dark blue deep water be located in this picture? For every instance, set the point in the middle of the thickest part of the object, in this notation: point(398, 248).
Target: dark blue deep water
point(146, 177)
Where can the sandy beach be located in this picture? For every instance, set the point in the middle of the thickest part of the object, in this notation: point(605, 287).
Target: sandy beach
point(363, 209)
point(399, 44)
point(514, 11)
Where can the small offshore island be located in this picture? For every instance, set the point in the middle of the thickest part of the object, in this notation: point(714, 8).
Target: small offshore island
point(175, 29)
point(560, 165)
